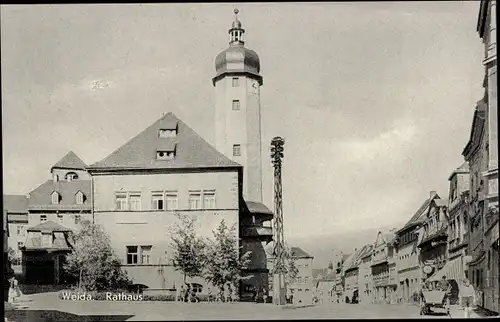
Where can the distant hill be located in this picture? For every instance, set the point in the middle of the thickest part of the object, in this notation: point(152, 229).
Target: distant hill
point(322, 246)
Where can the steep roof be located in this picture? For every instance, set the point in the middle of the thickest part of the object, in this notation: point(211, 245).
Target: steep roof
point(417, 216)
point(298, 252)
point(49, 226)
point(15, 204)
point(191, 151)
point(41, 197)
point(70, 161)
point(477, 129)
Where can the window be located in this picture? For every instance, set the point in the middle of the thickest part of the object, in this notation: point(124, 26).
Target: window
point(171, 200)
point(60, 217)
point(121, 201)
point(55, 198)
point(236, 105)
point(70, 176)
point(132, 255)
point(167, 133)
point(146, 254)
point(194, 200)
point(20, 230)
point(77, 219)
point(79, 198)
point(135, 202)
point(43, 218)
point(209, 199)
point(236, 82)
point(236, 150)
point(46, 240)
point(20, 245)
point(157, 201)
point(165, 155)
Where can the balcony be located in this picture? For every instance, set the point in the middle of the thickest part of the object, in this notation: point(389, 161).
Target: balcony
point(257, 232)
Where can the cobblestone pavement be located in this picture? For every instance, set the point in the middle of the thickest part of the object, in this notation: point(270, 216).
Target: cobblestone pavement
point(49, 306)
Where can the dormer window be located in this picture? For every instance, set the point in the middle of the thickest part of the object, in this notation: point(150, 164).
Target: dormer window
point(70, 176)
point(165, 155)
point(79, 198)
point(55, 198)
point(167, 133)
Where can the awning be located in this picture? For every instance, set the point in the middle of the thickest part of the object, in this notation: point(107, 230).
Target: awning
point(453, 270)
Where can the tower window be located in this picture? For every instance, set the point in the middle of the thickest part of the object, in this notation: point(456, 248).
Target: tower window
point(70, 176)
point(236, 150)
point(236, 82)
point(236, 105)
point(43, 218)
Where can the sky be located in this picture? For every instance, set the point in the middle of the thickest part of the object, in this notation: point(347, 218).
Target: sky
point(374, 100)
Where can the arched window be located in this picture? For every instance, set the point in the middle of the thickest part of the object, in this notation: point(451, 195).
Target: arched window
point(71, 176)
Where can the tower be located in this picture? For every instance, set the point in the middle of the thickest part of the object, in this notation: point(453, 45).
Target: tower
point(237, 109)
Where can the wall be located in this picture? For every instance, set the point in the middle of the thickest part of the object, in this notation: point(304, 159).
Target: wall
point(365, 281)
point(240, 127)
point(155, 228)
point(67, 219)
point(408, 268)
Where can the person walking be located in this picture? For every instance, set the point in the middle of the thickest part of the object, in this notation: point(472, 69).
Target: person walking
point(227, 294)
point(467, 294)
point(210, 296)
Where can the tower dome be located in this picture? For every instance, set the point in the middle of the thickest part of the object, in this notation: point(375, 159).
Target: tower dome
point(237, 59)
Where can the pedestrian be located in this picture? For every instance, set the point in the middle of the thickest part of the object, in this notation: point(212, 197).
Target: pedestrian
point(256, 295)
point(192, 295)
point(467, 294)
point(179, 294)
point(187, 292)
point(264, 295)
point(234, 293)
point(210, 299)
point(227, 294)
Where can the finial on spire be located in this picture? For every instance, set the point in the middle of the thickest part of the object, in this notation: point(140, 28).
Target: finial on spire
point(236, 32)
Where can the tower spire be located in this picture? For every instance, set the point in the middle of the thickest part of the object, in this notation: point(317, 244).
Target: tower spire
point(236, 32)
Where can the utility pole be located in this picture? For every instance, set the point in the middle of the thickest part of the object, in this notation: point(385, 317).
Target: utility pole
point(279, 284)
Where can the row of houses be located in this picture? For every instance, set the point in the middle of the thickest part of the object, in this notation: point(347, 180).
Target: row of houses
point(455, 238)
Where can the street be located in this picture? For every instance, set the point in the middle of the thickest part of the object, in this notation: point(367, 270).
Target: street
point(43, 306)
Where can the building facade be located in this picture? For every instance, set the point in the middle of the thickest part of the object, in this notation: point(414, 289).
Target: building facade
point(16, 211)
point(365, 276)
point(141, 189)
point(476, 156)
point(486, 28)
point(383, 263)
point(237, 85)
point(407, 260)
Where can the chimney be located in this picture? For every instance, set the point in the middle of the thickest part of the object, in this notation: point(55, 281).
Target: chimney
point(55, 178)
point(432, 194)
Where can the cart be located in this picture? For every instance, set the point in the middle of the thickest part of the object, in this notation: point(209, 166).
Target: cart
point(434, 299)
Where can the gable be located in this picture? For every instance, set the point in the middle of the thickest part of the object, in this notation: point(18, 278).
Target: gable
point(141, 152)
point(380, 240)
point(70, 161)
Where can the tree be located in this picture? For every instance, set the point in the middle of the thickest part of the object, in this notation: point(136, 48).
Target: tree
point(93, 261)
point(223, 262)
point(187, 247)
